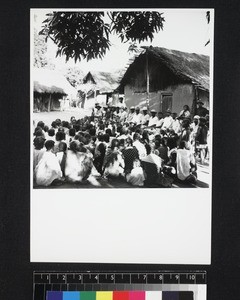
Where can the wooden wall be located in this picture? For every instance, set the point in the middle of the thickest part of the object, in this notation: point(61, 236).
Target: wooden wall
point(182, 94)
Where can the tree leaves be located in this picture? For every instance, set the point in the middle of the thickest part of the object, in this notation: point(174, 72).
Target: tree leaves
point(85, 35)
point(136, 26)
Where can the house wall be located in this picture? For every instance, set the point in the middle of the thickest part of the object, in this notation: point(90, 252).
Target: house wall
point(41, 102)
point(182, 94)
point(204, 96)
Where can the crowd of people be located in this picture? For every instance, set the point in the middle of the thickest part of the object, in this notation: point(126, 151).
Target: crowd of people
point(144, 148)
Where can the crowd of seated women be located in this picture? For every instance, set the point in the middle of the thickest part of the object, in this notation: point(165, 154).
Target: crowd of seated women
point(92, 149)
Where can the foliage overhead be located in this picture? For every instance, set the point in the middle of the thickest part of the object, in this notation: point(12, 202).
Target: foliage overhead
point(85, 35)
point(40, 50)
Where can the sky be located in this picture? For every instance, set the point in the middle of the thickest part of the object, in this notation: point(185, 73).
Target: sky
point(184, 30)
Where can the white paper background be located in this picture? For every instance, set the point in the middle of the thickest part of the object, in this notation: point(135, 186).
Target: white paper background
point(121, 226)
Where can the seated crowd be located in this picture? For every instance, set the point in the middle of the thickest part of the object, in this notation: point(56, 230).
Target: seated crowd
point(149, 150)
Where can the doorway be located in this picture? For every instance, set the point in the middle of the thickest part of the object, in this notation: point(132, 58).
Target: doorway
point(166, 102)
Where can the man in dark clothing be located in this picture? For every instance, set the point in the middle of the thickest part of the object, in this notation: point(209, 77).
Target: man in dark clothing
point(201, 139)
point(201, 111)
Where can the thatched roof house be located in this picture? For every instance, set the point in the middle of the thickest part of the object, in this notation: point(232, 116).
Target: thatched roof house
point(49, 86)
point(98, 83)
point(103, 82)
point(168, 78)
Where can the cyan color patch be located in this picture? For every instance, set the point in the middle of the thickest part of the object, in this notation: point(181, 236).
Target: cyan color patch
point(71, 296)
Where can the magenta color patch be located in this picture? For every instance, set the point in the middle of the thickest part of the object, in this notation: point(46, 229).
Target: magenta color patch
point(137, 295)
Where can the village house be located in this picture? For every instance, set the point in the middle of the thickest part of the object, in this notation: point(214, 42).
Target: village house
point(51, 90)
point(166, 79)
point(98, 87)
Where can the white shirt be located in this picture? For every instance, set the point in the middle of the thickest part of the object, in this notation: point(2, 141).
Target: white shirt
point(123, 116)
point(141, 149)
point(159, 122)
point(98, 112)
point(130, 117)
point(145, 118)
point(176, 126)
point(167, 122)
point(137, 119)
point(153, 121)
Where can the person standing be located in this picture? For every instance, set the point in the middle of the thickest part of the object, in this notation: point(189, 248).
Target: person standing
point(201, 139)
point(98, 114)
point(201, 111)
point(121, 103)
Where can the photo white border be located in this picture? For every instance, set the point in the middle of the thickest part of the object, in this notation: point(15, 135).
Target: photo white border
point(88, 225)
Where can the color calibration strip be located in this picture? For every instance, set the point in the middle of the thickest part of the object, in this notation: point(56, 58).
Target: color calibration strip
point(161, 285)
point(121, 295)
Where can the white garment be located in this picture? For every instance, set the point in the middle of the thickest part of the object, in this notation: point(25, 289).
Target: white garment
point(145, 118)
point(130, 117)
point(48, 169)
point(37, 156)
point(123, 116)
point(167, 123)
point(136, 177)
point(59, 156)
point(153, 121)
point(141, 149)
point(98, 112)
point(75, 169)
point(184, 157)
point(159, 122)
point(116, 168)
point(137, 119)
point(176, 127)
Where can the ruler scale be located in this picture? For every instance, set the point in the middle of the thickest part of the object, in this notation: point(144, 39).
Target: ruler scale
point(162, 285)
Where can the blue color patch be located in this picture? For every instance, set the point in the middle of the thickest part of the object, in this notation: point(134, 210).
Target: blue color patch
point(71, 296)
point(54, 295)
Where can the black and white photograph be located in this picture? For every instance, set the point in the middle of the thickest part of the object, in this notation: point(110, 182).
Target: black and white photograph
point(121, 134)
point(121, 98)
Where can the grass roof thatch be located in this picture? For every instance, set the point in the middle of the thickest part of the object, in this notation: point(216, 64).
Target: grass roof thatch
point(51, 82)
point(105, 82)
point(189, 67)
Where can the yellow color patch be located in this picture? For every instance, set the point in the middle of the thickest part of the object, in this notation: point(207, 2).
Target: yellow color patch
point(104, 295)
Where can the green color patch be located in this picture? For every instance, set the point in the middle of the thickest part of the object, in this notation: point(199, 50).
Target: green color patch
point(88, 295)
